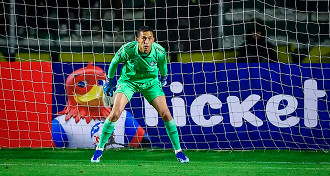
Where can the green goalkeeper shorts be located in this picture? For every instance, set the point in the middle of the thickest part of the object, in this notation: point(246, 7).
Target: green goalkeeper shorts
point(149, 89)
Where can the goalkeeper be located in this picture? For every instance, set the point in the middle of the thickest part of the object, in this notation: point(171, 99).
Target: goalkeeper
point(143, 60)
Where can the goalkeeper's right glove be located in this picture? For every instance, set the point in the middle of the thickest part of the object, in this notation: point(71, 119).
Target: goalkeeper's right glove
point(108, 88)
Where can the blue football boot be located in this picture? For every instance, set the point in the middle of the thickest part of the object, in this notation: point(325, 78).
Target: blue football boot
point(97, 156)
point(182, 158)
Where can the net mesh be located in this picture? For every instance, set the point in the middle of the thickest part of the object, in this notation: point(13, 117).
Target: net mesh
point(242, 74)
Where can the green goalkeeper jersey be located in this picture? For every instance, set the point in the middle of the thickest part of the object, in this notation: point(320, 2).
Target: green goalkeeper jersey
point(139, 68)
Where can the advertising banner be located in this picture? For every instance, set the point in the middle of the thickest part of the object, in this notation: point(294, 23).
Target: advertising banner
point(215, 106)
point(25, 104)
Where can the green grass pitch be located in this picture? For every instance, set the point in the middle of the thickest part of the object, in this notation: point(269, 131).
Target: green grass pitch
point(126, 162)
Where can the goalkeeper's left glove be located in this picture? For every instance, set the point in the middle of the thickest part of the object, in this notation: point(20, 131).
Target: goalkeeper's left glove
point(162, 80)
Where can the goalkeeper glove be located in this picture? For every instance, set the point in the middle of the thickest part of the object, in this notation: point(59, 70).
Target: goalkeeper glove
point(108, 88)
point(162, 80)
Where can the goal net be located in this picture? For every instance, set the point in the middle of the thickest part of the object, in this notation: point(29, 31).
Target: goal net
point(241, 74)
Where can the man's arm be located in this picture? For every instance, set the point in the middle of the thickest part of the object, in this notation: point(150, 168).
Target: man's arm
point(163, 69)
point(115, 62)
point(108, 87)
point(163, 65)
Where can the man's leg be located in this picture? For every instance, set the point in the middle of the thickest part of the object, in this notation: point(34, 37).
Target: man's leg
point(159, 103)
point(109, 124)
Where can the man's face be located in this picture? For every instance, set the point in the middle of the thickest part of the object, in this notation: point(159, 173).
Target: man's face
point(145, 40)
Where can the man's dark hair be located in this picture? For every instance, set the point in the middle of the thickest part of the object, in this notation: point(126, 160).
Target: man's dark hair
point(144, 29)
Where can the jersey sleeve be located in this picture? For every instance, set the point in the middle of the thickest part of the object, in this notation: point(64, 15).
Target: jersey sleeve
point(116, 60)
point(163, 64)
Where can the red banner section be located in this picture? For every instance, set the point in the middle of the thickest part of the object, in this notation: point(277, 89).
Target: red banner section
point(25, 104)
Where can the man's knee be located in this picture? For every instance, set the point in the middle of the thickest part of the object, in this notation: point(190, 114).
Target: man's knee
point(114, 115)
point(166, 115)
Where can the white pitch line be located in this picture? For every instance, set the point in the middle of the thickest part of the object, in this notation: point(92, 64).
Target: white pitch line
point(215, 167)
point(225, 162)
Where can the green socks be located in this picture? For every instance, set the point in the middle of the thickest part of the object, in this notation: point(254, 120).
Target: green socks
point(171, 130)
point(106, 132)
point(172, 133)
